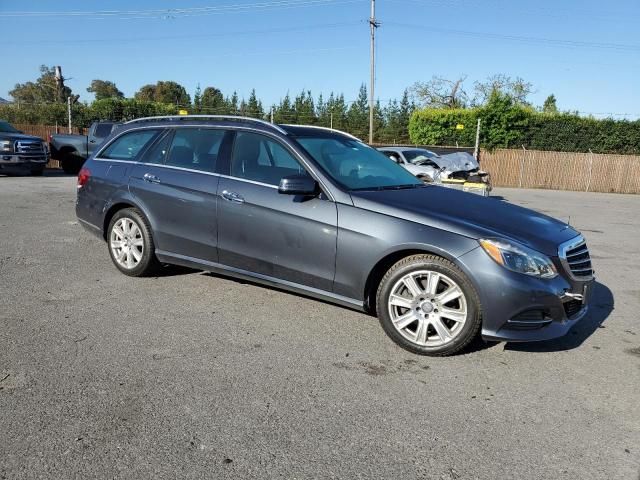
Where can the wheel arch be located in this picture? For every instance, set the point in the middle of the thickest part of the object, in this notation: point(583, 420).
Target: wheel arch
point(387, 261)
point(115, 207)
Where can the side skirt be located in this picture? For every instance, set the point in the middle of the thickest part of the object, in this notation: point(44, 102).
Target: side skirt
point(186, 261)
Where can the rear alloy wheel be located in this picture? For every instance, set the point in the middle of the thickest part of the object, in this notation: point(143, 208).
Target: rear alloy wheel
point(427, 306)
point(130, 244)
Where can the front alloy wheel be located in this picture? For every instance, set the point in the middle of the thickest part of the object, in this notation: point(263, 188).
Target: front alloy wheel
point(428, 306)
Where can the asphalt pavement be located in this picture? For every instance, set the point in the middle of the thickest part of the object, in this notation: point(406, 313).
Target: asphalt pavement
point(192, 375)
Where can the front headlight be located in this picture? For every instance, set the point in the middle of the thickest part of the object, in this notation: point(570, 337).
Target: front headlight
point(5, 146)
point(519, 258)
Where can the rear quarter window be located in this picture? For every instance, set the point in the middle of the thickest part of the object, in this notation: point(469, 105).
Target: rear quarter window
point(128, 145)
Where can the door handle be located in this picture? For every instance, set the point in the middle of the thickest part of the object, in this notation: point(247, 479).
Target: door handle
point(147, 177)
point(92, 141)
point(232, 197)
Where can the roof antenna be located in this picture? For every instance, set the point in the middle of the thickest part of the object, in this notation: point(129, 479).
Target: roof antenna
point(569, 221)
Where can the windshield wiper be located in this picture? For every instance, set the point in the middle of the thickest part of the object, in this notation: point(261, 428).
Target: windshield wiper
point(389, 187)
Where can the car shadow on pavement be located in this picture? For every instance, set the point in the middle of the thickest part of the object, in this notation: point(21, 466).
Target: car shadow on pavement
point(600, 307)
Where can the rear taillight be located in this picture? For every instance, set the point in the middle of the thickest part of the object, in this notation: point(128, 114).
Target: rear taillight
point(83, 177)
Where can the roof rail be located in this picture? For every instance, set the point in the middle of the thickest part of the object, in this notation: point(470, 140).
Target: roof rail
point(212, 117)
point(324, 128)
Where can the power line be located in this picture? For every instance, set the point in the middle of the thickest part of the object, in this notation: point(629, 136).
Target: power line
point(181, 12)
point(524, 39)
point(111, 40)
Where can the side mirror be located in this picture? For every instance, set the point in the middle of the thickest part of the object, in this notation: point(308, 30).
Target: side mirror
point(395, 158)
point(298, 185)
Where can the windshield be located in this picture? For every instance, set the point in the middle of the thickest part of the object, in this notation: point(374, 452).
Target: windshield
point(6, 128)
point(357, 166)
point(419, 155)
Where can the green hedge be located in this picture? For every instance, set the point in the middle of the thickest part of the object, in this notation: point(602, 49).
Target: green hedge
point(506, 125)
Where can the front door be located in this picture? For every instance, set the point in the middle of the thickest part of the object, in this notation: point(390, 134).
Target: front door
point(288, 237)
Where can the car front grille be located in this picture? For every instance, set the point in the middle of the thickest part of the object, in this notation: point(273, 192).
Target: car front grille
point(576, 259)
point(29, 147)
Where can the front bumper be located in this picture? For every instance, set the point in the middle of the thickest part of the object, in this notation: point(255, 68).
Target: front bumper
point(16, 162)
point(520, 308)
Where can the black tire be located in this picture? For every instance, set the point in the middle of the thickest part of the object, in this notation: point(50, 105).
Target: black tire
point(468, 330)
point(71, 164)
point(37, 173)
point(148, 264)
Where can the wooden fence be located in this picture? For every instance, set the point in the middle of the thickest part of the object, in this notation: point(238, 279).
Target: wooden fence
point(587, 172)
point(43, 131)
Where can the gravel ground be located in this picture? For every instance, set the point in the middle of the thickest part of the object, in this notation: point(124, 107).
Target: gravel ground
point(192, 375)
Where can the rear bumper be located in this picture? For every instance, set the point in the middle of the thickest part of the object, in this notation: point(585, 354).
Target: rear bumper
point(519, 308)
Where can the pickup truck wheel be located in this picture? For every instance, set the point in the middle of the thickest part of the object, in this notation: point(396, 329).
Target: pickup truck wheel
point(131, 245)
point(428, 306)
point(71, 165)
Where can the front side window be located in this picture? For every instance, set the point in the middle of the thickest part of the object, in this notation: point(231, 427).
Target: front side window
point(195, 148)
point(356, 166)
point(129, 145)
point(259, 158)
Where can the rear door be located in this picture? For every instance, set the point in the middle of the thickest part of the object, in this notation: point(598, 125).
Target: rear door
point(177, 184)
point(288, 237)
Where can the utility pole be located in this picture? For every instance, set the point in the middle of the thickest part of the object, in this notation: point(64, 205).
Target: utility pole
point(59, 84)
point(271, 113)
point(373, 24)
point(476, 150)
point(69, 112)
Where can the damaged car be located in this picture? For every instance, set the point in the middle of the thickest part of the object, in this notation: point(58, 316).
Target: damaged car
point(458, 170)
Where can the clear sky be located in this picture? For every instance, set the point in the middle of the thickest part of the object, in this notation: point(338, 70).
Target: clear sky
point(586, 52)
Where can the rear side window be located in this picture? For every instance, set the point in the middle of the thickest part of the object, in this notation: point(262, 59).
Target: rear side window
point(195, 148)
point(129, 145)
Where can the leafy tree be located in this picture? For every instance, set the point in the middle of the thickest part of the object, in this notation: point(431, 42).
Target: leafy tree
point(197, 100)
point(284, 112)
point(164, 92)
point(550, 105)
point(43, 90)
point(442, 93)
point(358, 115)
point(213, 102)
point(515, 88)
point(305, 108)
point(503, 120)
point(146, 93)
point(232, 104)
point(104, 89)
point(254, 106)
point(337, 109)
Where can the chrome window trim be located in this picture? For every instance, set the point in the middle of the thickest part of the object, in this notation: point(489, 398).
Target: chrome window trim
point(562, 254)
point(233, 128)
point(246, 180)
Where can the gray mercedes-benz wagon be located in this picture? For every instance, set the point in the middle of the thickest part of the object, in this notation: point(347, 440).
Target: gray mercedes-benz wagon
point(318, 212)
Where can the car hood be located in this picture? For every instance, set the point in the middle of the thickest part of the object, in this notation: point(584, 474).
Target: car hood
point(470, 215)
point(18, 136)
point(458, 161)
